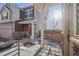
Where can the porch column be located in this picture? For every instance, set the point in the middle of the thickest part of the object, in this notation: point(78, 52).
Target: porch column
point(42, 9)
point(42, 38)
point(13, 28)
point(32, 30)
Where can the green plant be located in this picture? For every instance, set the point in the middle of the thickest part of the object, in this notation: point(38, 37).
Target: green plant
point(20, 35)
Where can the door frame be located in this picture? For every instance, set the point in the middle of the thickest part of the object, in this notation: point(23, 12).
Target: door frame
point(66, 31)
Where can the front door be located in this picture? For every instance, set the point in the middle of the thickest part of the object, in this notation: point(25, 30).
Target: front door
point(28, 29)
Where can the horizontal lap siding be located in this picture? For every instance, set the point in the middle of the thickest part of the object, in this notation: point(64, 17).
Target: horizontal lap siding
point(6, 30)
point(53, 35)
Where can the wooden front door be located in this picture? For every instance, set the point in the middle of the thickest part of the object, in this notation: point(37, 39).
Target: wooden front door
point(28, 29)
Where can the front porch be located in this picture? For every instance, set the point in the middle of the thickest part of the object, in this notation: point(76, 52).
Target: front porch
point(52, 49)
point(26, 26)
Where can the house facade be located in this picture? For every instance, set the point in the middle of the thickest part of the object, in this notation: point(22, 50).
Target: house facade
point(14, 19)
point(9, 14)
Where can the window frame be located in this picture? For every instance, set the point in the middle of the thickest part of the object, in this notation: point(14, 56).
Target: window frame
point(28, 10)
point(5, 17)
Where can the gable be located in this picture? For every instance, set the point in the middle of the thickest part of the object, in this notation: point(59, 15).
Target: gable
point(5, 14)
point(5, 10)
point(9, 6)
point(9, 9)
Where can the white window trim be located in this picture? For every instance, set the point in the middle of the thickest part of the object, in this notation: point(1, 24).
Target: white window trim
point(28, 14)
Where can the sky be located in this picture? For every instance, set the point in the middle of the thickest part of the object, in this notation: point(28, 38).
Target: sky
point(23, 4)
point(18, 4)
point(54, 17)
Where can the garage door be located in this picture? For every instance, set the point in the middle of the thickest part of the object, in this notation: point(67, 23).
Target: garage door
point(6, 31)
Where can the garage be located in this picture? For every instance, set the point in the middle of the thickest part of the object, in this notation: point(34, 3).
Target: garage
point(6, 30)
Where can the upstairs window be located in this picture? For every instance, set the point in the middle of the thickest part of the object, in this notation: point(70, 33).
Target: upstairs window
point(28, 13)
point(31, 13)
point(4, 17)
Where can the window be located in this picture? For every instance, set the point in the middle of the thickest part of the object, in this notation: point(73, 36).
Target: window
point(31, 14)
point(54, 20)
point(28, 13)
point(77, 19)
point(4, 17)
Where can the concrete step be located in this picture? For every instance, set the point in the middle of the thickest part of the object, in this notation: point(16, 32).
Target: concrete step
point(13, 53)
point(8, 51)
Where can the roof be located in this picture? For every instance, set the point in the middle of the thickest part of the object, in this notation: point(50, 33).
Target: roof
point(5, 5)
point(27, 7)
point(26, 21)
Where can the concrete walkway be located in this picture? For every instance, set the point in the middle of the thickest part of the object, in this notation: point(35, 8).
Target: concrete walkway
point(25, 51)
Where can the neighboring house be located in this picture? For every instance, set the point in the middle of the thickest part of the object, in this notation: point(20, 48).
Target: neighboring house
point(9, 14)
point(14, 19)
point(27, 20)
